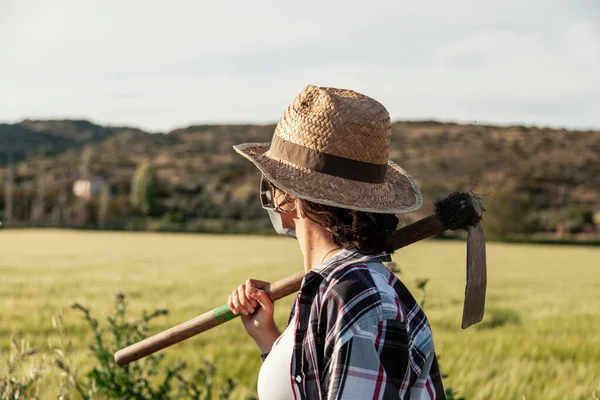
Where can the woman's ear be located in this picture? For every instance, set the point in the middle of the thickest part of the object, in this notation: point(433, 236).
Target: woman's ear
point(291, 212)
point(299, 210)
point(292, 204)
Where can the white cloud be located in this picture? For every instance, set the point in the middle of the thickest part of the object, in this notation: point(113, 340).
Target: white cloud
point(160, 64)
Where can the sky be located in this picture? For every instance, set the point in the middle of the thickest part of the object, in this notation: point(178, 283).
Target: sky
point(160, 65)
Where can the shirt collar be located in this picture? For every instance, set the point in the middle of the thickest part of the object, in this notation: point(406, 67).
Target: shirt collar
point(347, 256)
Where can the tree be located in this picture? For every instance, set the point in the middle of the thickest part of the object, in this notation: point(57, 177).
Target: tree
point(103, 205)
point(8, 192)
point(38, 205)
point(60, 213)
point(509, 212)
point(144, 187)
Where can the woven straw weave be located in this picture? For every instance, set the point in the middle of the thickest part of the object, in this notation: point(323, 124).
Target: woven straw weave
point(346, 124)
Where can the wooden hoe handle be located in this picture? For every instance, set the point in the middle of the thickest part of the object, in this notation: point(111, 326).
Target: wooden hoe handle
point(419, 230)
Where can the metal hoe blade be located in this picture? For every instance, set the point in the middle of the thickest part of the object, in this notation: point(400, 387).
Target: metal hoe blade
point(476, 277)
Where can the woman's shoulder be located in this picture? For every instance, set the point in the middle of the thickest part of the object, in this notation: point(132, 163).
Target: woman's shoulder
point(363, 285)
point(366, 295)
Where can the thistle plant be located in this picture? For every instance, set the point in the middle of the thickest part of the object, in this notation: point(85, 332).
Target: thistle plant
point(144, 379)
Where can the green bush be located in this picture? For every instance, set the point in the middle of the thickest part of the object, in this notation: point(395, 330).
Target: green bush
point(146, 379)
point(574, 218)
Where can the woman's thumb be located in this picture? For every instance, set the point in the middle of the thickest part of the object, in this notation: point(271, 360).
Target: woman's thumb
point(263, 299)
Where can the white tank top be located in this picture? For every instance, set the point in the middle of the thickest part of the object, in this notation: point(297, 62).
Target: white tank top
point(274, 377)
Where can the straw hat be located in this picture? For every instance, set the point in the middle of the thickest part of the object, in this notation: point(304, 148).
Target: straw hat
point(331, 147)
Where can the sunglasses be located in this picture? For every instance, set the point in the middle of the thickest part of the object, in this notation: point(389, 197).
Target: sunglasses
point(267, 196)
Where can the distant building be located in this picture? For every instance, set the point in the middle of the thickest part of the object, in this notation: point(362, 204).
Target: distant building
point(86, 189)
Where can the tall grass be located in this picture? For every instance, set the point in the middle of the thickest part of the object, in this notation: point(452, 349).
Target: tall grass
point(539, 339)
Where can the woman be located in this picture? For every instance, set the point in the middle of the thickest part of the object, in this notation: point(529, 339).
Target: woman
point(355, 331)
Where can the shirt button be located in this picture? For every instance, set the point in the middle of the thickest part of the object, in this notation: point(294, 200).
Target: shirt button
point(298, 378)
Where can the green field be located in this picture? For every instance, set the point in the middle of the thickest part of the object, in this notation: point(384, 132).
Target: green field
point(544, 300)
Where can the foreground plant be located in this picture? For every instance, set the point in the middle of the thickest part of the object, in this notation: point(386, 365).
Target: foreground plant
point(146, 379)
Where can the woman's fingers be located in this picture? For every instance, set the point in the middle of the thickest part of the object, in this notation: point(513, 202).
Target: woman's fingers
point(248, 296)
point(244, 300)
point(251, 285)
point(257, 284)
point(263, 299)
point(232, 302)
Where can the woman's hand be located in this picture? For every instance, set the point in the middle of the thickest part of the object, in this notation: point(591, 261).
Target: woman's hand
point(257, 312)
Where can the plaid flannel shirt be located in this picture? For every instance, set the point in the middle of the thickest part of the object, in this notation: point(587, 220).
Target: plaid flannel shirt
point(360, 334)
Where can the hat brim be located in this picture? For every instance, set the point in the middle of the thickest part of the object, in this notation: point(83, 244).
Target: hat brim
point(398, 194)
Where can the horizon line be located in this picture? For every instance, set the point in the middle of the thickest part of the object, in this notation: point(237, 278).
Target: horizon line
point(190, 124)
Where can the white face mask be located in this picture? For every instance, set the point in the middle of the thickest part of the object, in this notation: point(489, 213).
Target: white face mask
point(267, 204)
point(277, 223)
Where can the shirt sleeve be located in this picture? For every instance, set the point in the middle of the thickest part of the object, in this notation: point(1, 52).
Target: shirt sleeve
point(374, 363)
point(354, 371)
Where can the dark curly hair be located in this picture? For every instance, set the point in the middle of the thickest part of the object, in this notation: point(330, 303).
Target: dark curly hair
point(367, 231)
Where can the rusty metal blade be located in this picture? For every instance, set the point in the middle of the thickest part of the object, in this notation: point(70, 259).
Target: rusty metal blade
point(476, 277)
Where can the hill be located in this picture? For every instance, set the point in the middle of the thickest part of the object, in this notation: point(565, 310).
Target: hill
point(535, 178)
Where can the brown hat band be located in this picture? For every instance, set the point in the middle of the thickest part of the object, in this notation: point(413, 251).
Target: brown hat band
point(328, 164)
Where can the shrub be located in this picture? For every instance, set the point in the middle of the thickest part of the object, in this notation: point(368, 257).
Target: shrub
point(139, 380)
point(148, 378)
